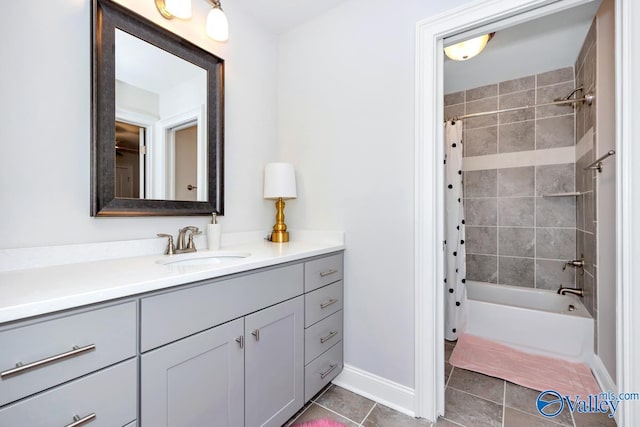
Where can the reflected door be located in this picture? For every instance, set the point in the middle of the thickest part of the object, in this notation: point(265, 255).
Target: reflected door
point(186, 160)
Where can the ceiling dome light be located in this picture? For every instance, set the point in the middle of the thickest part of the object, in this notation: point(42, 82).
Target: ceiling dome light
point(174, 8)
point(217, 24)
point(468, 48)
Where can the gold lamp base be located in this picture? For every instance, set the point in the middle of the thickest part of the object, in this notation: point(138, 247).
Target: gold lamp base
point(280, 236)
point(280, 233)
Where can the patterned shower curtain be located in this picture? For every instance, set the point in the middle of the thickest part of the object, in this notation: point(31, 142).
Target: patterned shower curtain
point(455, 291)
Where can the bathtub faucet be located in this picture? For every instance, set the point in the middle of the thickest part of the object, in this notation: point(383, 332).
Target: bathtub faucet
point(574, 291)
point(575, 263)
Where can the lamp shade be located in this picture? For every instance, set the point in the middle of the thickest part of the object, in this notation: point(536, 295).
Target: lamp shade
point(468, 48)
point(217, 25)
point(279, 181)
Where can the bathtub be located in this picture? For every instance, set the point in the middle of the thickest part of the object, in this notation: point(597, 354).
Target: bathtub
point(533, 320)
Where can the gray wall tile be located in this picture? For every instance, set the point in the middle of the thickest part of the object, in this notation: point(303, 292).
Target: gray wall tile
point(516, 242)
point(454, 98)
point(482, 268)
point(518, 136)
point(589, 252)
point(483, 183)
point(453, 111)
point(553, 179)
point(517, 85)
point(516, 181)
point(556, 211)
point(518, 99)
point(481, 211)
point(589, 40)
point(480, 141)
point(589, 293)
point(555, 76)
point(516, 211)
point(480, 106)
point(516, 271)
point(482, 92)
point(481, 240)
point(556, 243)
point(589, 211)
point(514, 208)
point(549, 275)
point(548, 94)
point(555, 132)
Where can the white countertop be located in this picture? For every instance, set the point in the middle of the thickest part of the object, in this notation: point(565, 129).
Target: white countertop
point(30, 292)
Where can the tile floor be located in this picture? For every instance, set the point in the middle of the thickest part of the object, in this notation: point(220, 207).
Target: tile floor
point(472, 400)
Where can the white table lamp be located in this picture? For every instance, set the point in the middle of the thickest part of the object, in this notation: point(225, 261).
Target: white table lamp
point(279, 184)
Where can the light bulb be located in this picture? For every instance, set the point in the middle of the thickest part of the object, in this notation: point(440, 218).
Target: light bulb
point(217, 25)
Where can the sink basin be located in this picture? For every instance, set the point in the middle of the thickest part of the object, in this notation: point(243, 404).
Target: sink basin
point(203, 258)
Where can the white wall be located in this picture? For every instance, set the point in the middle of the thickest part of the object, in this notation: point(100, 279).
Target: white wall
point(346, 121)
point(45, 84)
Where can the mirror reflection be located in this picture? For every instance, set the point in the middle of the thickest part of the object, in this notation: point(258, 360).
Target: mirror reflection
point(160, 127)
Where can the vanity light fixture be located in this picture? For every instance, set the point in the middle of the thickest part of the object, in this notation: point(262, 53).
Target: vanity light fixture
point(217, 24)
point(174, 8)
point(279, 184)
point(468, 48)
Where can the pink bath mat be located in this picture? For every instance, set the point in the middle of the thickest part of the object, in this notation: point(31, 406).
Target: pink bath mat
point(321, 423)
point(529, 370)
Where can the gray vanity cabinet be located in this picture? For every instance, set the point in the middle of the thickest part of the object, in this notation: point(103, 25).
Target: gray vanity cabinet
point(196, 381)
point(274, 363)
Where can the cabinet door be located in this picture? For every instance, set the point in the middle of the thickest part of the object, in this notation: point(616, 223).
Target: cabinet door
point(197, 381)
point(274, 364)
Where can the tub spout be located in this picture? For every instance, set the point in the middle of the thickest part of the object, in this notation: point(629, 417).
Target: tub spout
point(574, 291)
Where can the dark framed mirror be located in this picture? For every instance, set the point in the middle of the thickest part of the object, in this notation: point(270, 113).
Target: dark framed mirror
point(157, 119)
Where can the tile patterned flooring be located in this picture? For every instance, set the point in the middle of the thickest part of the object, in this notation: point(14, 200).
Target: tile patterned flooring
point(472, 400)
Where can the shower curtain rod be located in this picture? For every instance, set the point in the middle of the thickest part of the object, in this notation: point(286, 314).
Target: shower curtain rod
point(588, 99)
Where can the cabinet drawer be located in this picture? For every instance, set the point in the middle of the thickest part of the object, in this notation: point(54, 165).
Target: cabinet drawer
point(174, 315)
point(322, 271)
point(109, 394)
point(322, 303)
point(111, 330)
point(321, 371)
point(321, 336)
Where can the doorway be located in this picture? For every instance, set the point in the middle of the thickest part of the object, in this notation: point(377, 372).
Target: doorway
point(429, 384)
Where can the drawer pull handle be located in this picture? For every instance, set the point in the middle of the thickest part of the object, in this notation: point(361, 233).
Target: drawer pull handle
point(328, 272)
point(77, 421)
point(328, 337)
point(240, 340)
point(332, 367)
point(256, 334)
point(328, 303)
point(21, 368)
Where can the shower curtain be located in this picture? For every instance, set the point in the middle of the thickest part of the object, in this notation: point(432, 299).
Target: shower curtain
point(455, 270)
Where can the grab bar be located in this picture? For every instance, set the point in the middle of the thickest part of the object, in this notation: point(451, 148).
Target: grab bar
point(597, 165)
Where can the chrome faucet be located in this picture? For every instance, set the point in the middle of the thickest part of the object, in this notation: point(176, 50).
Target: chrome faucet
point(183, 246)
point(190, 246)
point(575, 263)
point(574, 291)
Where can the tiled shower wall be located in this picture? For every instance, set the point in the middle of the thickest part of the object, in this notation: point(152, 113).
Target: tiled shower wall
point(585, 179)
point(514, 235)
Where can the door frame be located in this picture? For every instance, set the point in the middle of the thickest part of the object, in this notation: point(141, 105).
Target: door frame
point(429, 193)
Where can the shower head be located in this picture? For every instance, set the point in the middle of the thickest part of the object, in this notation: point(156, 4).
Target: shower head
point(566, 98)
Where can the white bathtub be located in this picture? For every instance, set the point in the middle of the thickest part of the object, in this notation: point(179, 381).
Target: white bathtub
point(533, 320)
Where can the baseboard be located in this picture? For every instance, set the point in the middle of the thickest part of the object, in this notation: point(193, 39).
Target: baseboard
point(604, 380)
point(380, 390)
